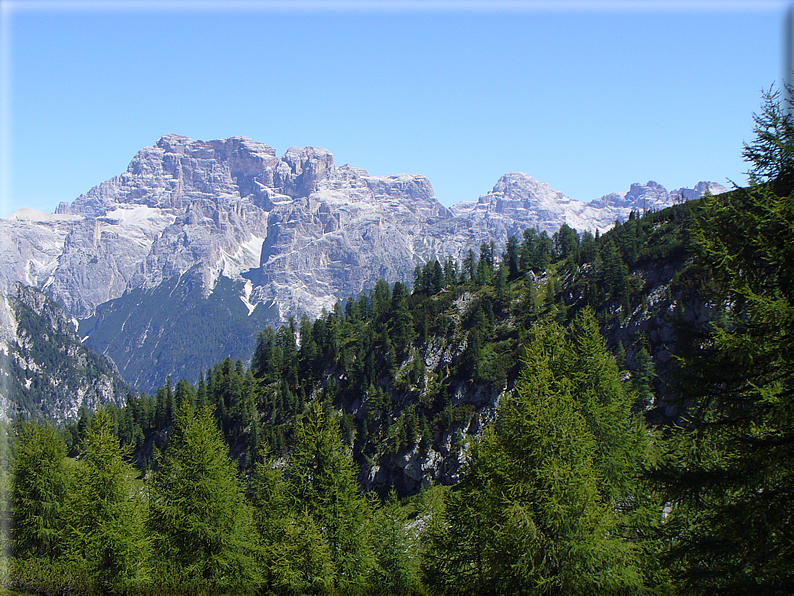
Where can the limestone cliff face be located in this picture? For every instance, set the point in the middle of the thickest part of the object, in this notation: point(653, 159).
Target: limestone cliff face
point(352, 230)
point(296, 233)
point(305, 232)
point(518, 201)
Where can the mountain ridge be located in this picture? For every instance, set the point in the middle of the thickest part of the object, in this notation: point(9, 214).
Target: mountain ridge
point(297, 232)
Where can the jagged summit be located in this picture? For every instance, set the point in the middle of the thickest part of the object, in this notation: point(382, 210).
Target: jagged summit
point(296, 233)
point(518, 200)
point(178, 171)
point(227, 207)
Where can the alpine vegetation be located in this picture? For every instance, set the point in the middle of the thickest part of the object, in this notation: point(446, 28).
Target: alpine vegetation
point(552, 412)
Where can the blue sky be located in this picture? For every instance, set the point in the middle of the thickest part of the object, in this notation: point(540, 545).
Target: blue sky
point(587, 96)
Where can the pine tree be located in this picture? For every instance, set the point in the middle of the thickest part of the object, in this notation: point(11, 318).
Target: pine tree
point(588, 249)
point(643, 375)
point(512, 258)
point(622, 439)
point(568, 243)
point(302, 561)
point(5, 488)
point(184, 392)
point(469, 273)
point(544, 249)
point(728, 474)
point(528, 250)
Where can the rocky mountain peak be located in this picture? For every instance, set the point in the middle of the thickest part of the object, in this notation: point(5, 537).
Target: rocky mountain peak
point(701, 188)
point(178, 171)
point(651, 195)
point(301, 170)
point(296, 233)
point(519, 186)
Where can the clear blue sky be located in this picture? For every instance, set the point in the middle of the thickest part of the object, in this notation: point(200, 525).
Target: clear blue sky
point(587, 96)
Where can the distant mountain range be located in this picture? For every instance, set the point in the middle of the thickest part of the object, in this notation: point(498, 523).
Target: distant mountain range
point(179, 261)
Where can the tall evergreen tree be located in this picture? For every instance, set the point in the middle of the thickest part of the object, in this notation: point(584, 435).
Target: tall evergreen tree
point(395, 550)
point(588, 248)
point(5, 489)
point(302, 561)
point(38, 494)
point(728, 476)
point(528, 249)
point(277, 550)
point(512, 258)
point(771, 153)
point(200, 521)
point(322, 480)
point(106, 531)
point(541, 505)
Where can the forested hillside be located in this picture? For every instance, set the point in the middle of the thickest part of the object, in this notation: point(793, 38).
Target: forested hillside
point(45, 370)
point(585, 414)
point(417, 374)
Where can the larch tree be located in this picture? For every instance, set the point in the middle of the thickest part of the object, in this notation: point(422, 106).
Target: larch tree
point(322, 480)
point(201, 523)
point(105, 531)
point(541, 507)
point(728, 474)
point(40, 483)
point(395, 549)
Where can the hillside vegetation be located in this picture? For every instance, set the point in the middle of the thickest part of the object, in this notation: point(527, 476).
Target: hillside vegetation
point(415, 375)
point(578, 415)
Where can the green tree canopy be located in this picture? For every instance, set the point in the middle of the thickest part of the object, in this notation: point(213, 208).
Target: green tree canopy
point(38, 493)
point(201, 524)
point(322, 480)
point(105, 512)
point(543, 503)
point(771, 153)
point(728, 473)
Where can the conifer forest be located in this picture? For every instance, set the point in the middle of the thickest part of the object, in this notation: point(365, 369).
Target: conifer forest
point(601, 469)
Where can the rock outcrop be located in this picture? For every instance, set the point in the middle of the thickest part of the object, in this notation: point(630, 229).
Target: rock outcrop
point(518, 201)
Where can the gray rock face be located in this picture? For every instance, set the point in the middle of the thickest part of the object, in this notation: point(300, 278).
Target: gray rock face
point(297, 230)
point(518, 201)
point(307, 233)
